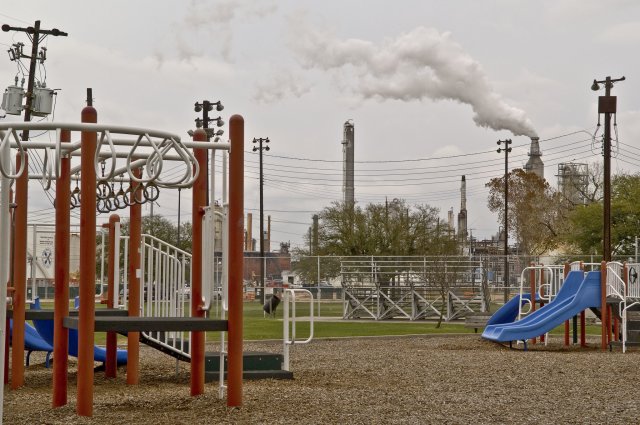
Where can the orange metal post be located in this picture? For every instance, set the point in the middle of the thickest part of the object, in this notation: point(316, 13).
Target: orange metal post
point(19, 274)
point(603, 305)
point(135, 231)
point(609, 323)
point(61, 289)
point(567, 328)
point(532, 286)
point(236, 233)
point(199, 201)
point(111, 365)
point(87, 285)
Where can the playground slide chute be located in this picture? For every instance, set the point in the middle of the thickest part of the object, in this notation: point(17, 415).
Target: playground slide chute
point(45, 329)
point(577, 294)
point(33, 342)
point(509, 311)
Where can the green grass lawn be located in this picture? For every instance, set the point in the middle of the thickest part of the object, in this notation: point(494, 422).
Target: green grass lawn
point(258, 327)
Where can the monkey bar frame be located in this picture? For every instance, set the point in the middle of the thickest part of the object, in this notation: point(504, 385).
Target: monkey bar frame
point(148, 149)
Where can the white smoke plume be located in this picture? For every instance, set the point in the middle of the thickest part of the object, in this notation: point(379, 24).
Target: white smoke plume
point(281, 84)
point(215, 19)
point(421, 64)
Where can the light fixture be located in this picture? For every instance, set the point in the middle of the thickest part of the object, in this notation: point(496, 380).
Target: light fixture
point(595, 86)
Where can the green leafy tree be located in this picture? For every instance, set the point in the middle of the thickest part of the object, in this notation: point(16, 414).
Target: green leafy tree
point(586, 222)
point(389, 229)
point(164, 229)
point(536, 211)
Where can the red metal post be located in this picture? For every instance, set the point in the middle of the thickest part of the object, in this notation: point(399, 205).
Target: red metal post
point(609, 323)
point(532, 286)
point(87, 285)
point(134, 272)
point(7, 341)
point(19, 273)
point(111, 365)
point(603, 305)
point(199, 201)
point(61, 288)
point(236, 235)
point(567, 327)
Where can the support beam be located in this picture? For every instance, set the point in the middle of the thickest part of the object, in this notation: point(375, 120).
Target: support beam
point(134, 273)
point(61, 289)
point(19, 272)
point(87, 290)
point(111, 362)
point(199, 201)
point(236, 231)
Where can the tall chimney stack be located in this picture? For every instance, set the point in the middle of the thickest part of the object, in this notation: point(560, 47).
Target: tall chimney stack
point(462, 215)
point(534, 164)
point(348, 164)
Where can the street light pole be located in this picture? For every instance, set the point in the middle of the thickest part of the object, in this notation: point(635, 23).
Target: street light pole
point(506, 150)
point(606, 106)
point(261, 148)
point(206, 107)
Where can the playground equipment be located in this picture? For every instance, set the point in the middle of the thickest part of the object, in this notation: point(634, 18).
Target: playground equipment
point(143, 149)
point(611, 291)
point(289, 323)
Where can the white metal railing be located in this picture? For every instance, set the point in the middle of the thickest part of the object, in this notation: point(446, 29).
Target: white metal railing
point(546, 285)
point(289, 323)
point(615, 281)
point(164, 289)
point(633, 283)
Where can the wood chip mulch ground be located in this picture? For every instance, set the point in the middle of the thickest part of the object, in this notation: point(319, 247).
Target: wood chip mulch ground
point(395, 380)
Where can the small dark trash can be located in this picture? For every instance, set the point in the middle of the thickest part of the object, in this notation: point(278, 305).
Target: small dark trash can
point(271, 304)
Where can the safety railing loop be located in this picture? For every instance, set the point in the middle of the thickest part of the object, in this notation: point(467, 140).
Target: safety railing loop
point(5, 150)
point(105, 134)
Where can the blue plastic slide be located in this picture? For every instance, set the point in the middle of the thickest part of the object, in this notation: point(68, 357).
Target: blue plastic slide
point(45, 329)
point(577, 294)
point(33, 342)
point(509, 311)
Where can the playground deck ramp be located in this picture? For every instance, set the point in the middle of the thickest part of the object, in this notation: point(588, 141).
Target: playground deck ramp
point(151, 324)
point(577, 294)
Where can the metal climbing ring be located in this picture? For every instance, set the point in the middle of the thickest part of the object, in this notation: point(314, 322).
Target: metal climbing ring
point(127, 197)
point(103, 206)
point(151, 192)
point(103, 190)
point(138, 194)
point(75, 198)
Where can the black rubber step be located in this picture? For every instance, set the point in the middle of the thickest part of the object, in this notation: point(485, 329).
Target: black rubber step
point(251, 361)
point(252, 375)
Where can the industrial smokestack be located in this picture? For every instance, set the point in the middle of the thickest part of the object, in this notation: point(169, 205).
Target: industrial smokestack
point(249, 241)
point(462, 215)
point(534, 164)
point(348, 164)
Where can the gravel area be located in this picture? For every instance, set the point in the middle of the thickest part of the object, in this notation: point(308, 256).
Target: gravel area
point(394, 380)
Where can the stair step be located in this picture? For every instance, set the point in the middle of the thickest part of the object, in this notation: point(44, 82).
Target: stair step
point(251, 361)
point(252, 375)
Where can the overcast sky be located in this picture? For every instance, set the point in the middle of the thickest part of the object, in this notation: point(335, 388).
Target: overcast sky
point(430, 86)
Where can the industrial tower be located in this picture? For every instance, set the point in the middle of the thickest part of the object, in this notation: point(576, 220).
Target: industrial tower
point(347, 164)
point(534, 164)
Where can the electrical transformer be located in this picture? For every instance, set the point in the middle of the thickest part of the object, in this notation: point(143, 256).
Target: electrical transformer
point(42, 101)
point(12, 100)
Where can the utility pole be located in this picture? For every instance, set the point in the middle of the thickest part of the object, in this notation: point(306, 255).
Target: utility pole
point(36, 35)
point(506, 151)
point(205, 107)
point(262, 146)
point(607, 106)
